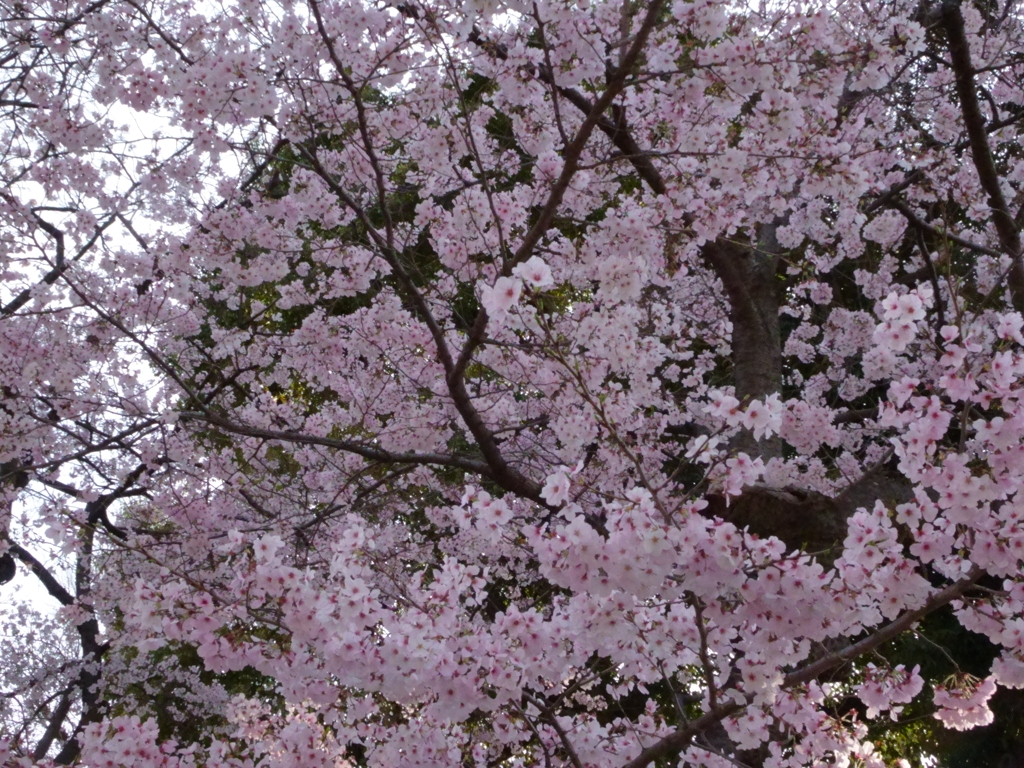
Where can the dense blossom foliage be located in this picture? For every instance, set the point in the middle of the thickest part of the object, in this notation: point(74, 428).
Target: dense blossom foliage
point(500, 383)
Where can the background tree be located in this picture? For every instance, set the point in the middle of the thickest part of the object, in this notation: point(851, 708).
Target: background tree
point(514, 383)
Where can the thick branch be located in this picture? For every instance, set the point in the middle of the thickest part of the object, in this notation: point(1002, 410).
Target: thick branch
point(923, 226)
point(885, 197)
point(617, 131)
point(889, 632)
point(748, 274)
point(981, 152)
point(92, 650)
point(497, 467)
point(96, 510)
point(571, 155)
point(619, 134)
point(369, 452)
point(55, 589)
point(60, 714)
point(60, 264)
point(676, 742)
point(508, 477)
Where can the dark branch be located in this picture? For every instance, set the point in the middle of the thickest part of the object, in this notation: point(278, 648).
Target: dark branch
point(676, 742)
point(369, 452)
point(981, 152)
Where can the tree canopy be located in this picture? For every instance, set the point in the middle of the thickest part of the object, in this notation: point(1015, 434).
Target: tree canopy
point(500, 383)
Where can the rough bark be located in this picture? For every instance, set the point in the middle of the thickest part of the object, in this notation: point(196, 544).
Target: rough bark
point(749, 275)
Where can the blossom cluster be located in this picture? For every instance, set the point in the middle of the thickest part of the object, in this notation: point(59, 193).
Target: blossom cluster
point(499, 383)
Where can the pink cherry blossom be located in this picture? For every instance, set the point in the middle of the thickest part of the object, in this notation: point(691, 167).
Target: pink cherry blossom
point(556, 488)
point(307, 309)
point(964, 705)
point(534, 272)
point(501, 298)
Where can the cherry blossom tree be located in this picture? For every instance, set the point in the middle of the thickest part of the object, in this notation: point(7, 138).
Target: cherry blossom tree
point(511, 383)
